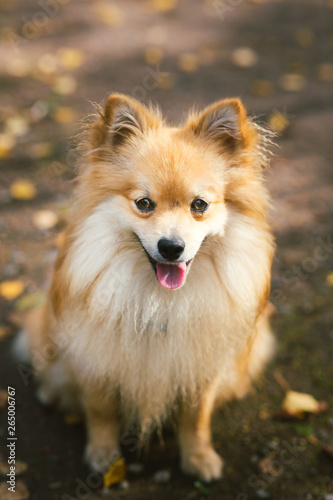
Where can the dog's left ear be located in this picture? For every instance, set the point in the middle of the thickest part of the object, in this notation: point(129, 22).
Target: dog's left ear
point(225, 124)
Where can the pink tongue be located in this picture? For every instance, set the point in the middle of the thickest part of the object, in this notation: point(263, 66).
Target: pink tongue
point(171, 275)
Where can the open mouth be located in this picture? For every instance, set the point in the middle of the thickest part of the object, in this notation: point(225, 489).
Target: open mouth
point(170, 275)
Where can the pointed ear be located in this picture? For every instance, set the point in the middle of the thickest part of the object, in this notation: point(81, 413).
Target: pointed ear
point(224, 123)
point(125, 117)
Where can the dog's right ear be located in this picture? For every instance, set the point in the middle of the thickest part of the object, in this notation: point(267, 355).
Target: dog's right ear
point(125, 117)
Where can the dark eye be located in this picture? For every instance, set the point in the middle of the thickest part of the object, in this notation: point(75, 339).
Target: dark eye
point(199, 205)
point(145, 204)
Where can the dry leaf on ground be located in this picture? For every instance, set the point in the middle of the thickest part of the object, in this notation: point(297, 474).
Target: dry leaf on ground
point(292, 82)
point(164, 5)
point(65, 85)
point(296, 404)
point(10, 290)
point(244, 57)
point(7, 142)
point(116, 473)
point(263, 88)
point(278, 121)
point(17, 125)
point(22, 189)
point(189, 63)
point(153, 55)
point(329, 279)
point(40, 150)
point(64, 114)
point(109, 14)
point(165, 81)
point(70, 57)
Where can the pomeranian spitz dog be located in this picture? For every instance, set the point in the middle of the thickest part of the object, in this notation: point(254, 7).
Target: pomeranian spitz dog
point(159, 300)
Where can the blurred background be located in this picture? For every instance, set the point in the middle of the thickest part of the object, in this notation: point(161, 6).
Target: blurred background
point(60, 56)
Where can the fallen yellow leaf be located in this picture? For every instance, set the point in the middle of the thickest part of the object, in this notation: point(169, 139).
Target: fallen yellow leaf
point(64, 114)
point(22, 189)
point(7, 142)
point(70, 58)
point(18, 67)
point(244, 57)
point(206, 57)
point(109, 14)
point(325, 72)
point(188, 62)
point(17, 125)
point(262, 88)
point(304, 37)
point(47, 63)
point(10, 290)
point(292, 82)
point(278, 121)
point(40, 150)
point(164, 5)
point(165, 81)
point(116, 473)
point(329, 279)
point(153, 55)
point(65, 85)
point(297, 67)
point(297, 403)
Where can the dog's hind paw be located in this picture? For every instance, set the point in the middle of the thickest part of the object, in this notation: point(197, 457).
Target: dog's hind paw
point(204, 463)
point(100, 458)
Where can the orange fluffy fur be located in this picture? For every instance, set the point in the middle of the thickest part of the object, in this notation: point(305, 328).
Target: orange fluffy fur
point(115, 343)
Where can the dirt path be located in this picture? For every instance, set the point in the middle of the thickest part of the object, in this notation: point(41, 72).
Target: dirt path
point(178, 57)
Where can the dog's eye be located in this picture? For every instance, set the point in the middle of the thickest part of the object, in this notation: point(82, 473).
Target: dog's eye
point(199, 205)
point(145, 204)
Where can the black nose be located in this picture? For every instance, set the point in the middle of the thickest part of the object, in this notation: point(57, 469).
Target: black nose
point(171, 249)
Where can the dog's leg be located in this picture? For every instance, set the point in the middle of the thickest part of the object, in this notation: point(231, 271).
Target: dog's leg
point(103, 428)
point(198, 456)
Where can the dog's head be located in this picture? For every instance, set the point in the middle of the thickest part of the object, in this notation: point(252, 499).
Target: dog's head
point(172, 188)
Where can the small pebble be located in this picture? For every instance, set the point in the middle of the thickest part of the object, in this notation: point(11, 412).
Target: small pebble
point(328, 497)
point(273, 445)
point(162, 477)
point(124, 485)
point(254, 459)
point(135, 468)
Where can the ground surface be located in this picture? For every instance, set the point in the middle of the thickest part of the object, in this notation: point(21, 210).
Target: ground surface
point(46, 90)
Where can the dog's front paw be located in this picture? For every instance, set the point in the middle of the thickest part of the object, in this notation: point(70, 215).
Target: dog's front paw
point(204, 463)
point(100, 458)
